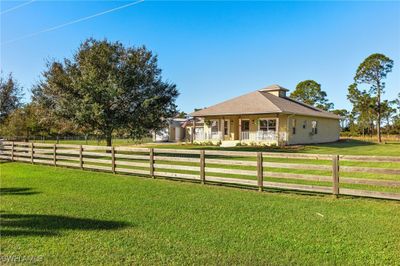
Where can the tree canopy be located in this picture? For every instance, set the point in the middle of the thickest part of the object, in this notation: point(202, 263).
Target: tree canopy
point(344, 117)
point(310, 92)
point(362, 107)
point(107, 87)
point(10, 96)
point(372, 71)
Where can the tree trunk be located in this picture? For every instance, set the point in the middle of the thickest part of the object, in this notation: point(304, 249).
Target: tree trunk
point(388, 127)
point(371, 129)
point(379, 126)
point(108, 139)
point(379, 113)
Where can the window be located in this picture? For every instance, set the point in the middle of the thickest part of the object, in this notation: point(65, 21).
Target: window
point(226, 127)
point(199, 130)
point(272, 125)
point(245, 125)
point(305, 124)
point(214, 126)
point(264, 125)
point(294, 126)
point(267, 125)
point(314, 127)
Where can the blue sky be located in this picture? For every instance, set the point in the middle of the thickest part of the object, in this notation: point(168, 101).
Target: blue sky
point(216, 50)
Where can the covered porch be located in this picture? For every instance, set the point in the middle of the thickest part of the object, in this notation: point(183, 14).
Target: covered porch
point(267, 129)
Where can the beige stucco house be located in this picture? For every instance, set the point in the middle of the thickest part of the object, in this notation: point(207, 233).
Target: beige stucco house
point(265, 116)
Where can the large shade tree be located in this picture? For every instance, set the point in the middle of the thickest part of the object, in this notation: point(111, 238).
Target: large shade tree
point(10, 96)
point(310, 92)
point(372, 71)
point(106, 87)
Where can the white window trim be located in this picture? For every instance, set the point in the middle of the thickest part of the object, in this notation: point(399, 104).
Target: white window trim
point(294, 126)
point(218, 125)
point(276, 123)
point(314, 130)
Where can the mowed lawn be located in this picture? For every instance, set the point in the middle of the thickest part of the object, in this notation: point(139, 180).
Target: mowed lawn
point(69, 216)
point(342, 147)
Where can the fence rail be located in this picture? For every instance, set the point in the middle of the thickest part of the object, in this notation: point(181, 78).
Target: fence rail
point(212, 166)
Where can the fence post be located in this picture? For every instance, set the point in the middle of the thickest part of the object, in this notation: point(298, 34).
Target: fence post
point(55, 154)
point(202, 167)
point(12, 151)
point(152, 162)
point(31, 152)
point(260, 177)
point(335, 175)
point(113, 159)
point(81, 156)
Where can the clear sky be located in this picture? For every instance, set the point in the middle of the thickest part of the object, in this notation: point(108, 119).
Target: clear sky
point(215, 50)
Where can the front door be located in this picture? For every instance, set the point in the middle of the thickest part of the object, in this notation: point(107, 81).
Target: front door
point(226, 130)
point(245, 128)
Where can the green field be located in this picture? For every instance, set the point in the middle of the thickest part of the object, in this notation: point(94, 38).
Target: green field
point(66, 216)
point(342, 147)
point(354, 147)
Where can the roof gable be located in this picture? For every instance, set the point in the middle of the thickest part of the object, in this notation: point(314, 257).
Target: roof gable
point(251, 103)
point(262, 102)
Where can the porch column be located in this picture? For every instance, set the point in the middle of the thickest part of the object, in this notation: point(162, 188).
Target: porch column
point(193, 130)
point(221, 128)
point(240, 128)
point(277, 128)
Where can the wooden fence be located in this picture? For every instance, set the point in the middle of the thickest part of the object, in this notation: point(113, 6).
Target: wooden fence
point(264, 170)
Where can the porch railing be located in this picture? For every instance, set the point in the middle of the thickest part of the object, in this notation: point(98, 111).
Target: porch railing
point(201, 136)
point(259, 135)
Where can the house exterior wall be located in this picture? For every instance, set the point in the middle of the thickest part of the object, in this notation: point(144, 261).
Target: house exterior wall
point(234, 121)
point(328, 130)
point(171, 133)
point(235, 125)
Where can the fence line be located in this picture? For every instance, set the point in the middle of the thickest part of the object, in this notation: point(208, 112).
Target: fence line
point(213, 166)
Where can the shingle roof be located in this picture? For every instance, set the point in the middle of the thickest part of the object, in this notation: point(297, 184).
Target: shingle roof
point(262, 102)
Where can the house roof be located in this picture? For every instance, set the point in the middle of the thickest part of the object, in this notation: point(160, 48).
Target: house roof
point(176, 122)
point(263, 102)
point(189, 122)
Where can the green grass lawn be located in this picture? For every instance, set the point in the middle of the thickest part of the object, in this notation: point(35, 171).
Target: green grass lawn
point(66, 216)
point(342, 147)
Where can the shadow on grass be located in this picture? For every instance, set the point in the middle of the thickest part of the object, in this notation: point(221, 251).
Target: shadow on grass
point(272, 190)
point(17, 191)
point(13, 225)
point(345, 143)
